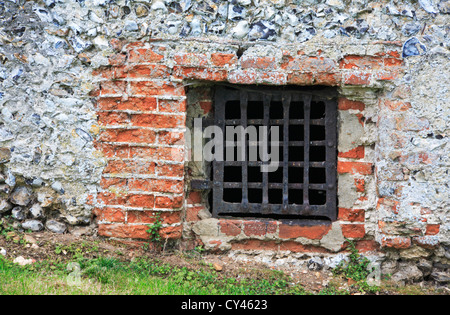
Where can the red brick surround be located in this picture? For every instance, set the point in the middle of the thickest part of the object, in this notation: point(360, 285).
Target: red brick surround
point(141, 107)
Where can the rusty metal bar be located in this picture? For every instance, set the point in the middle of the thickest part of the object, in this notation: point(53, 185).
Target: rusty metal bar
point(307, 112)
point(286, 99)
point(244, 169)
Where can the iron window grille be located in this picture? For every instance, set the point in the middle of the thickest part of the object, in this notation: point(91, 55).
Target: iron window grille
point(304, 184)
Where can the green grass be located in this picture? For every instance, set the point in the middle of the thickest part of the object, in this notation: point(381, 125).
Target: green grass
point(140, 277)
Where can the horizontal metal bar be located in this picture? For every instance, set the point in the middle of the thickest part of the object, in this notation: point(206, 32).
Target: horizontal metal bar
point(253, 185)
point(279, 163)
point(200, 184)
point(272, 122)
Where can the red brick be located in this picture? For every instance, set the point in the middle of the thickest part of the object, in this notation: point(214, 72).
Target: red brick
point(327, 78)
point(149, 217)
point(386, 75)
point(197, 73)
point(191, 59)
point(171, 232)
point(112, 118)
point(111, 215)
point(367, 246)
point(116, 183)
point(432, 229)
point(170, 170)
point(107, 72)
point(351, 215)
point(150, 88)
point(113, 151)
point(264, 63)
point(356, 153)
point(169, 202)
point(170, 154)
point(144, 55)
point(141, 201)
point(195, 197)
point(157, 120)
point(171, 106)
point(130, 166)
point(206, 106)
point(113, 88)
point(159, 153)
point(144, 217)
point(393, 62)
point(259, 228)
point(361, 62)
point(131, 200)
point(192, 213)
point(147, 71)
point(346, 104)
point(222, 60)
point(156, 185)
point(362, 168)
point(311, 64)
point(123, 231)
point(171, 137)
point(230, 227)
point(357, 78)
point(133, 103)
point(397, 242)
point(300, 78)
point(360, 184)
point(353, 230)
point(311, 232)
point(128, 136)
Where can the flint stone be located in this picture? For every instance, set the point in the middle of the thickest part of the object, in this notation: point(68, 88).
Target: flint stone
point(5, 206)
point(444, 7)
point(5, 155)
point(36, 211)
point(407, 273)
point(441, 277)
point(428, 6)
point(335, 261)
point(141, 10)
point(412, 47)
point(315, 263)
point(33, 225)
point(19, 213)
point(56, 227)
point(21, 196)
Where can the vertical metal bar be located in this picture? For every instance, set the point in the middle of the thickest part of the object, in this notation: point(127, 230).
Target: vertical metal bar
point(244, 169)
point(265, 175)
point(331, 157)
point(218, 166)
point(286, 99)
point(307, 114)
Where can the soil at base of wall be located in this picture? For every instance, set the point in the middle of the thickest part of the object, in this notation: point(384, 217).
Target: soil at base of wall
point(46, 246)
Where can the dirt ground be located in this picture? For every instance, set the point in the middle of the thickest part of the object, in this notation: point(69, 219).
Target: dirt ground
point(64, 247)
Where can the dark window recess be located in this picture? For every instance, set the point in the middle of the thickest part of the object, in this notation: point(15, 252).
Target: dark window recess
point(304, 185)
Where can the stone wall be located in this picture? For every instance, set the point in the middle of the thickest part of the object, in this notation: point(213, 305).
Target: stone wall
point(94, 107)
